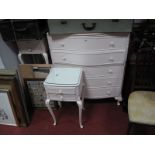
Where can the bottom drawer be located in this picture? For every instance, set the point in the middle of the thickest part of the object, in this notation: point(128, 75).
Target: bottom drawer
point(102, 92)
point(64, 97)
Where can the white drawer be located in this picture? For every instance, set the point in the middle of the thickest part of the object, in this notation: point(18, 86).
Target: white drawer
point(31, 46)
point(99, 71)
point(104, 71)
point(59, 90)
point(90, 42)
point(62, 97)
point(95, 58)
point(102, 82)
point(102, 92)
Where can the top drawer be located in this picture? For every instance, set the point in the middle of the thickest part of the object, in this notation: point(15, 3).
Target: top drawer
point(57, 26)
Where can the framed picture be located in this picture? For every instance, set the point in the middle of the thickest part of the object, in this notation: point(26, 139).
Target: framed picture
point(7, 114)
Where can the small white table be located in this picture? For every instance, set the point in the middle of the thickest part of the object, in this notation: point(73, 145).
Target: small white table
point(65, 84)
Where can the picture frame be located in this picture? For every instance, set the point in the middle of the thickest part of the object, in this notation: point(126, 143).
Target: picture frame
point(7, 112)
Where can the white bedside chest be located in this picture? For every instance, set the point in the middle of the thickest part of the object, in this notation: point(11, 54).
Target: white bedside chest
point(65, 84)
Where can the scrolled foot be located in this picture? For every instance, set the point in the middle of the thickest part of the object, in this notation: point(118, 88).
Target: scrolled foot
point(81, 126)
point(118, 103)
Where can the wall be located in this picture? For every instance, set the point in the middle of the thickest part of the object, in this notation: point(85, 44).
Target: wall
point(8, 54)
point(1, 64)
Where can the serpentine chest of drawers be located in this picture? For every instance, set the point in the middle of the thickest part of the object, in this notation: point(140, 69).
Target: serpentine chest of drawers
point(101, 55)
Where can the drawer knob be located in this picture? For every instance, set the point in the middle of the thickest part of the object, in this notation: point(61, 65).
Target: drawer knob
point(64, 59)
point(109, 82)
point(110, 71)
point(112, 44)
point(111, 59)
point(60, 91)
point(62, 45)
point(108, 93)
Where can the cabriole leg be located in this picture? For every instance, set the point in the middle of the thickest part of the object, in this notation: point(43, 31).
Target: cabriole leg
point(50, 110)
point(80, 105)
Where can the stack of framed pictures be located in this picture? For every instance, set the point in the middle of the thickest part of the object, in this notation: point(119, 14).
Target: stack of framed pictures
point(7, 113)
point(12, 109)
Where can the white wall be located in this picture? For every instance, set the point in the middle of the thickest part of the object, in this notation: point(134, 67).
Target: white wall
point(8, 54)
point(1, 64)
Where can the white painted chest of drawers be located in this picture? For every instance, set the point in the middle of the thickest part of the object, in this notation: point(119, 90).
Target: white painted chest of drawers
point(102, 57)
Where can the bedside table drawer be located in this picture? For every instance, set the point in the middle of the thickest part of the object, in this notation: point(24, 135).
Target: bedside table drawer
point(63, 97)
point(59, 90)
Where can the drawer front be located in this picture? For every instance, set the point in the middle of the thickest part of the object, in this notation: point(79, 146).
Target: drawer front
point(31, 46)
point(102, 82)
point(59, 90)
point(97, 58)
point(63, 97)
point(102, 92)
point(59, 26)
point(100, 71)
point(104, 71)
point(93, 42)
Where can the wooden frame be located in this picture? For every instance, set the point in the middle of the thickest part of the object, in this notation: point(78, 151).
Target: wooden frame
point(31, 72)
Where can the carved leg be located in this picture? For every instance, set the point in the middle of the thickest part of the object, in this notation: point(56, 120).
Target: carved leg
point(80, 105)
point(60, 104)
point(50, 110)
point(83, 94)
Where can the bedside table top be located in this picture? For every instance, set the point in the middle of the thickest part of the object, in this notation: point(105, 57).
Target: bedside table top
point(64, 76)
